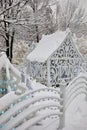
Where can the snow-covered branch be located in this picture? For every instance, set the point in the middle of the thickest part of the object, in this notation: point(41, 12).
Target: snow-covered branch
point(71, 15)
point(14, 5)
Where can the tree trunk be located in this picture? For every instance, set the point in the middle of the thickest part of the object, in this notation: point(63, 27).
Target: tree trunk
point(7, 45)
point(11, 46)
point(7, 38)
point(37, 34)
point(36, 26)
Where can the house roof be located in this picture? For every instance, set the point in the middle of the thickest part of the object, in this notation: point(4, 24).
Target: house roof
point(47, 45)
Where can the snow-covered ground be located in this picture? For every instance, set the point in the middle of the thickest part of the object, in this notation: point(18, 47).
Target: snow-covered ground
point(75, 117)
point(39, 108)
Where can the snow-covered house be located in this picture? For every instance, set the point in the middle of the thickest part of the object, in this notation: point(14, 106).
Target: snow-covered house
point(55, 58)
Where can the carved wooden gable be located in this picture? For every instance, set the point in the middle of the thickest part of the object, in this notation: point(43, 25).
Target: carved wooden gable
point(67, 50)
point(62, 63)
point(65, 62)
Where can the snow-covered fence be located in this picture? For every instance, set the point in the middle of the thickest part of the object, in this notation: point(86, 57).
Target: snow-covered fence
point(76, 87)
point(62, 103)
point(24, 107)
point(32, 122)
point(27, 116)
point(27, 95)
point(68, 93)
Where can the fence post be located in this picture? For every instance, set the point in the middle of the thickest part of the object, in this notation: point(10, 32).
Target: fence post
point(22, 77)
point(48, 73)
point(62, 103)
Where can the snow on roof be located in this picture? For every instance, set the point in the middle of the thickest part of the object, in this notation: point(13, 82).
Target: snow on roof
point(47, 46)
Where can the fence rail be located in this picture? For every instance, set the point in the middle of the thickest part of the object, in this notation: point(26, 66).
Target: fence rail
point(25, 106)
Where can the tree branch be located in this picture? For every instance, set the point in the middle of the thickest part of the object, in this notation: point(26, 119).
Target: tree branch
point(13, 6)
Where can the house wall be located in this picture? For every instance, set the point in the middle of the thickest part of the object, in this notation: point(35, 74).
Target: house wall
point(64, 64)
point(38, 71)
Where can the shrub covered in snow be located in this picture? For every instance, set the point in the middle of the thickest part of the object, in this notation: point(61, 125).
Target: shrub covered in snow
point(20, 50)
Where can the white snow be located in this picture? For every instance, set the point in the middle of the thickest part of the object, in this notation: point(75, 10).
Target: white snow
point(6, 63)
point(26, 103)
point(75, 115)
point(16, 74)
point(47, 46)
point(7, 99)
point(2, 62)
point(31, 122)
point(75, 118)
point(30, 111)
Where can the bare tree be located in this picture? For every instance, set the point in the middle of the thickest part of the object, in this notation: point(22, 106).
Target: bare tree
point(37, 20)
point(9, 13)
point(40, 20)
point(72, 15)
